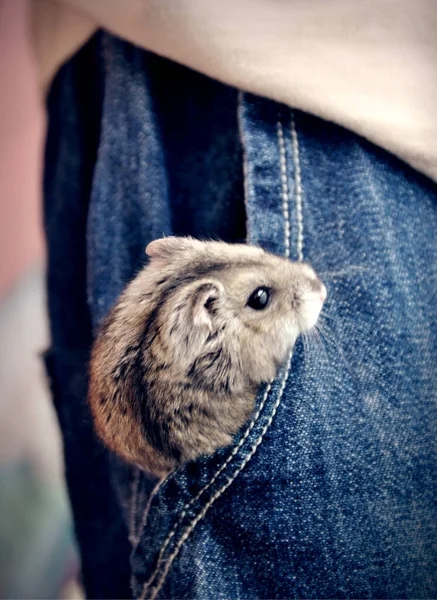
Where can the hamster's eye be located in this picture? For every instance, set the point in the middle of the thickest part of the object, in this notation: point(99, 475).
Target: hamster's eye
point(259, 299)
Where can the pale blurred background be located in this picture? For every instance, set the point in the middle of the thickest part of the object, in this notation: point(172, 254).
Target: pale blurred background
point(37, 555)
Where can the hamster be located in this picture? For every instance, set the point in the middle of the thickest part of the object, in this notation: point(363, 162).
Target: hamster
point(177, 363)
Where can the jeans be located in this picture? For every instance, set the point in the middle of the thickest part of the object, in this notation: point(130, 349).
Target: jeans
point(329, 491)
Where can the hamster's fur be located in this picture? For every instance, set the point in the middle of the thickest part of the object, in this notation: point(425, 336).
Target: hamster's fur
point(177, 363)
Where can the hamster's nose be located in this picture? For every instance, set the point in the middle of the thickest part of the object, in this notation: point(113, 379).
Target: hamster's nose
point(312, 303)
point(318, 289)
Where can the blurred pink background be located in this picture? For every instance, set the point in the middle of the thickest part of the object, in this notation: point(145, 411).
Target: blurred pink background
point(21, 131)
point(37, 555)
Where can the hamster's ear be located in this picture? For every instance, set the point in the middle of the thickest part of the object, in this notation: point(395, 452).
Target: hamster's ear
point(166, 247)
point(204, 303)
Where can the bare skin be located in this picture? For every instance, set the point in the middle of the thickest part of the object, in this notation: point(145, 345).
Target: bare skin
point(58, 31)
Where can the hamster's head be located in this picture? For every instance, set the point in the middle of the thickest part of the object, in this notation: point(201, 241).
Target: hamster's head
point(236, 306)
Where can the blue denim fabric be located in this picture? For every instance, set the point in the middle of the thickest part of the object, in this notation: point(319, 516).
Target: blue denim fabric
point(329, 491)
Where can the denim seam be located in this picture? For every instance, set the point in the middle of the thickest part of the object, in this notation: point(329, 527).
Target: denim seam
point(284, 183)
point(298, 186)
point(207, 486)
point(137, 533)
point(133, 533)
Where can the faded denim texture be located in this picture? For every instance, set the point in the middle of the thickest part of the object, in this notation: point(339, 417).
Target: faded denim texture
point(329, 491)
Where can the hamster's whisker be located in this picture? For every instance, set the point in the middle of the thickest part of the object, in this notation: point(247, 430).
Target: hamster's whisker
point(316, 336)
point(322, 331)
point(346, 271)
point(322, 257)
point(305, 347)
point(311, 343)
point(329, 337)
point(325, 315)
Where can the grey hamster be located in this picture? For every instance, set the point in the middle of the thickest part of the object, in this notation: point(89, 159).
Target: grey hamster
point(177, 363)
